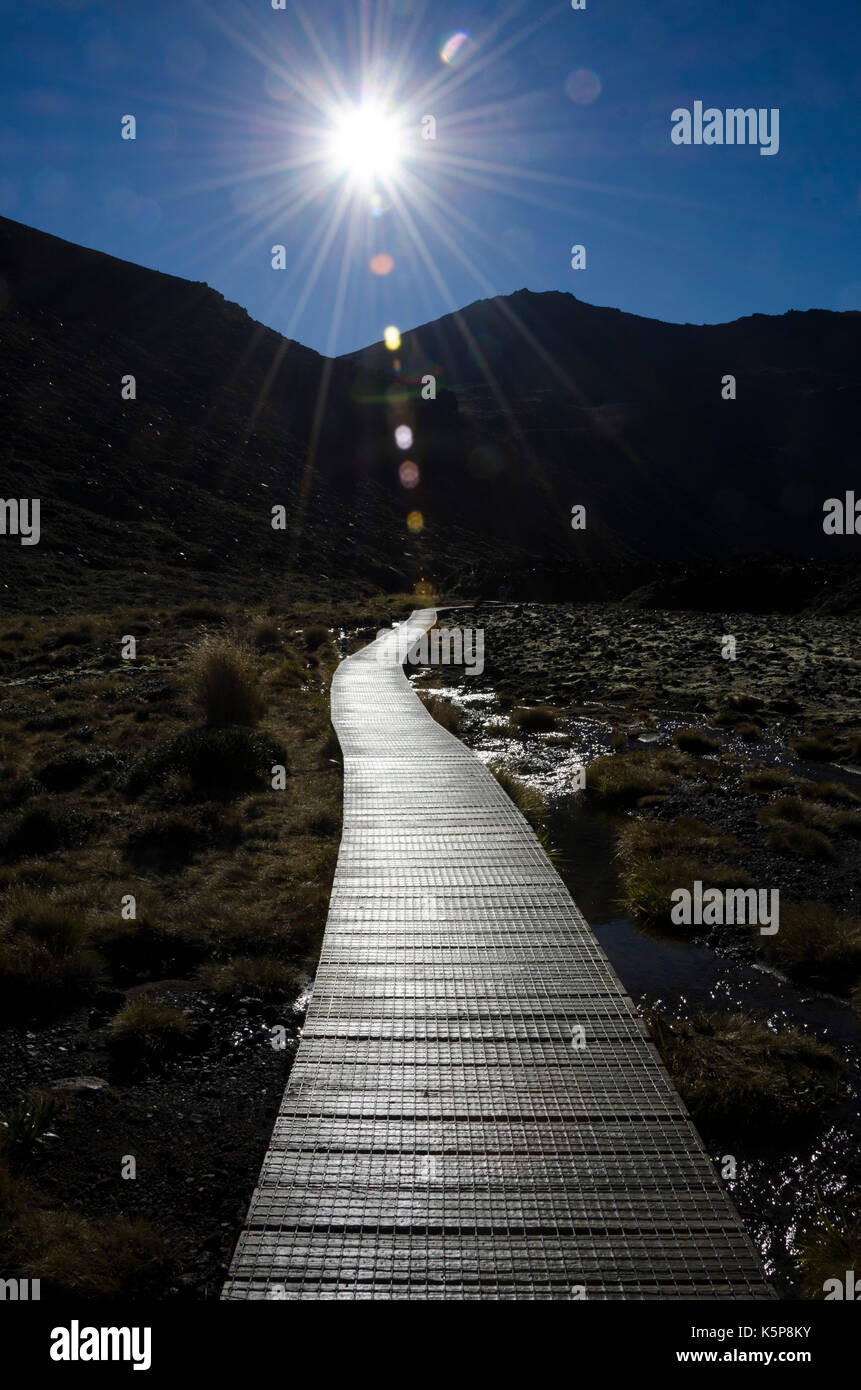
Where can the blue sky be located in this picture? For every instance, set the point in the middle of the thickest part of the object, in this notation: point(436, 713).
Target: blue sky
point(552, 129)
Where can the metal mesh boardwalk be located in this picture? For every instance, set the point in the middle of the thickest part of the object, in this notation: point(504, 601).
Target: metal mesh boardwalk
point(440, 1137)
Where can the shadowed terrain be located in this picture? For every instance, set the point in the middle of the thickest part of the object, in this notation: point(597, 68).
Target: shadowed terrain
point(542, 402)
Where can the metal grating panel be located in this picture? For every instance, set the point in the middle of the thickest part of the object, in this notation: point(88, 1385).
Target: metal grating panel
point(439, 1137)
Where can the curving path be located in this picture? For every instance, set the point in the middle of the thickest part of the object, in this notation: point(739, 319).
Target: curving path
point(440, 1137)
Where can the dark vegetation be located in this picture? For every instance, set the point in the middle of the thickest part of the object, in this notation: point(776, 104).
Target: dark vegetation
point(152, 779)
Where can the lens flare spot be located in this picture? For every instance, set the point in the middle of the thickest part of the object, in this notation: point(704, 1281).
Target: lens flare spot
point(455, 48)
point(404, 437)
point(392, 338)
point(409, 476)
point(382, 263)
point(415, 521)
point(583, 86)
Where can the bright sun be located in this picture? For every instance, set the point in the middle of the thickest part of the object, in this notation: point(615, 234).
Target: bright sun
point(365, 144)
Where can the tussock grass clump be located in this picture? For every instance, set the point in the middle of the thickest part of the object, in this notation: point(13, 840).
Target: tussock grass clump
point(536, 719)
point(660, 856)
point(219, 763)
point(801, 841)
point(224, 682)
point(147, 1033)
point(827, 1251)
point(265, 635)
point(45, 961)
point(444, 713)
point(259, 977)
point(735, 1074)
point(829, 745)
point(316, 637)
point(323, 822)
point(816, 946)
point(834, 793)
point(794, 811)
point(112, 1258)
point(71, 769)
point(529, 801)
point(647, 887)
point(42, 828)
point(748, 732)
point(820, 747)
point(621, 780)
point(695, 741)
point(687, 835)
point(769, 779)
point(166, 841)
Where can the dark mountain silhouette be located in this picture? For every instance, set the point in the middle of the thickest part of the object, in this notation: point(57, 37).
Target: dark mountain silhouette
point(542, 402)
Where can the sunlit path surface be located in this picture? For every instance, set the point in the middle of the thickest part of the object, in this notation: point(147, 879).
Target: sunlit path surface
point(440, 1136)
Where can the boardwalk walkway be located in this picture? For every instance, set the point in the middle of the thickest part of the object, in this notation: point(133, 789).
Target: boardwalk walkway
point(440, 1137)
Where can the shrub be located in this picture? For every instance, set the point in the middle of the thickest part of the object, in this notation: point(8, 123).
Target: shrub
point(224, 682)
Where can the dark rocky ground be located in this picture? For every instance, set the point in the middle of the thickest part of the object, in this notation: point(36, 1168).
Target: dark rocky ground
point(197, 1129)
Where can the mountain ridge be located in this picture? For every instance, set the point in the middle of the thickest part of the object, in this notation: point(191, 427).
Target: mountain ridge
point(542, 402)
